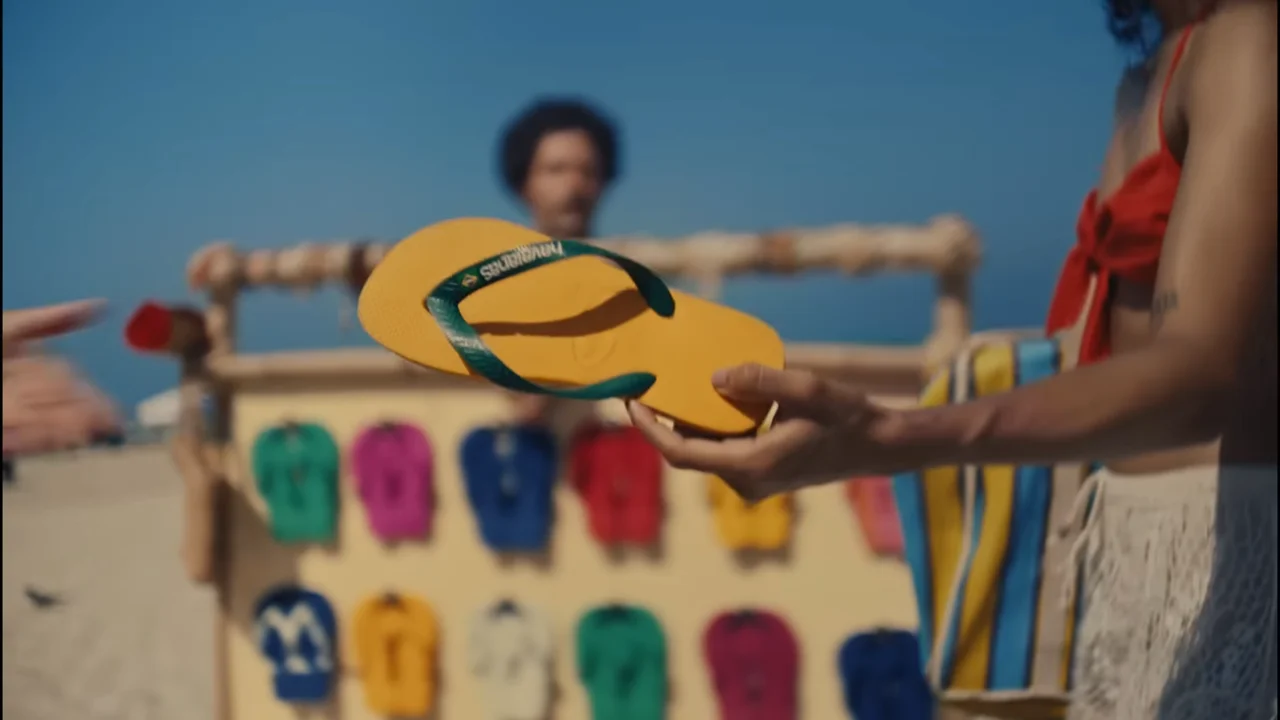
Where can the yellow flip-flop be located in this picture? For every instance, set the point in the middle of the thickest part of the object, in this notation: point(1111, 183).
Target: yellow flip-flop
point(578, 328)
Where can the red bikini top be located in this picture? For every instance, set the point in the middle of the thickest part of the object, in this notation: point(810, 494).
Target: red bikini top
point(1119, 237)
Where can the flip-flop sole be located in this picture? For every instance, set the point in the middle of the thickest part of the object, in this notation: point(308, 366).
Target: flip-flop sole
point(570, 323)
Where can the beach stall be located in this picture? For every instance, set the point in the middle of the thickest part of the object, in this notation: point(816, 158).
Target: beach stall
point(384, 541)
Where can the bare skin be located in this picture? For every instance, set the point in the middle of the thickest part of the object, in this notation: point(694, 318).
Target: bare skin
point(1136, 136)
point(561, 192)
point(47, 405)
point(1194, 359)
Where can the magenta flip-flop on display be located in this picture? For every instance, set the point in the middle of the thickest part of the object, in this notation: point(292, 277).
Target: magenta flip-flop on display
point(392, 464)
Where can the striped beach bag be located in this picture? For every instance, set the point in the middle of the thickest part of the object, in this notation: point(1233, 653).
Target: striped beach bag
point(989, 548)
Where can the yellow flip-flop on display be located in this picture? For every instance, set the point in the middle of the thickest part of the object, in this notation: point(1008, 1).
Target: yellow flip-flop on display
point(579, 328)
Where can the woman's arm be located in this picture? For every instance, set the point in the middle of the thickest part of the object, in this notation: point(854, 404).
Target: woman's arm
point(1217, 275)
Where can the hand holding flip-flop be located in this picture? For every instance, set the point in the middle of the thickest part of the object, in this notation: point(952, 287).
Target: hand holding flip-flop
point(822, 431)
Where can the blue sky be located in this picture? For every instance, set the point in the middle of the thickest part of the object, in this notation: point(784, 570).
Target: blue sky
point(136, 131)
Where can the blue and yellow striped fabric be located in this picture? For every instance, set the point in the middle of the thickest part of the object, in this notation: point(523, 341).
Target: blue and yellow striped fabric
point(987, 547)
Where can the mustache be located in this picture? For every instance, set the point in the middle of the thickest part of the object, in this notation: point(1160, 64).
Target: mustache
point(579, 203)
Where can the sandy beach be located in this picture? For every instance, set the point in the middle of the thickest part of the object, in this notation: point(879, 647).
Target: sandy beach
point(129, 637)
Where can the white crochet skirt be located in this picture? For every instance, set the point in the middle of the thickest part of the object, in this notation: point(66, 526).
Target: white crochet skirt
point(1180, 597)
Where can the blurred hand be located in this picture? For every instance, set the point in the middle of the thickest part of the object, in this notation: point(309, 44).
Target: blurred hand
point(821, 432)
point(47, 405)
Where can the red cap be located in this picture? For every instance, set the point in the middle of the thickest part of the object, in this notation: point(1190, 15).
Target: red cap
point(149, 328)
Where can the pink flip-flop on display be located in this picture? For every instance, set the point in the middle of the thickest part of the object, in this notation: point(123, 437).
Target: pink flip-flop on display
point(392, 464)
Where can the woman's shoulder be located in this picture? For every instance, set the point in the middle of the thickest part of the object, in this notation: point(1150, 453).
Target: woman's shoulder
point(1233, 54)
point(1226, 12)
point(1237, 28)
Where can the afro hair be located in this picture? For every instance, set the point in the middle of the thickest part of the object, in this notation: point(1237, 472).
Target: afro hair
point(1133, 25)
point(521, 136)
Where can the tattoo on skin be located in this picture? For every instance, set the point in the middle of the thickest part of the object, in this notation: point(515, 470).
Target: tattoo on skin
point(1161, 305)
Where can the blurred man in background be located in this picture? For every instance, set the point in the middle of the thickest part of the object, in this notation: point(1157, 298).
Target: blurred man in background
point(558, 156)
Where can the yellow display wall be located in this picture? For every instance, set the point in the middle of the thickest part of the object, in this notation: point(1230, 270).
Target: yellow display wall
point(827, 585)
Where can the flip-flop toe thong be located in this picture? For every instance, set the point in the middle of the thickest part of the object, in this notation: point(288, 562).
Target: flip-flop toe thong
point(493, 300)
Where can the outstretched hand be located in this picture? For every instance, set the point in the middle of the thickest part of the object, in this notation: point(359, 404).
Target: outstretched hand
point(21, 328)
point(822, 431)
point(47, 405)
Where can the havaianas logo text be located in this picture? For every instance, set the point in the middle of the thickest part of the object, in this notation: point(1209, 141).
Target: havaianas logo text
point(462, 341)
point(520, 257)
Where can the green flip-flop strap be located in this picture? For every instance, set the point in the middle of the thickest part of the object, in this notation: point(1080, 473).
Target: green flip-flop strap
point(443, 302)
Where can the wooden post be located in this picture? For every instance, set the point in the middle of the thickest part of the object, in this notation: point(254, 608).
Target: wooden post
point(709, 285)
point(951, 320)
point(221, 270)
point(201, 471)
point(221, 317)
